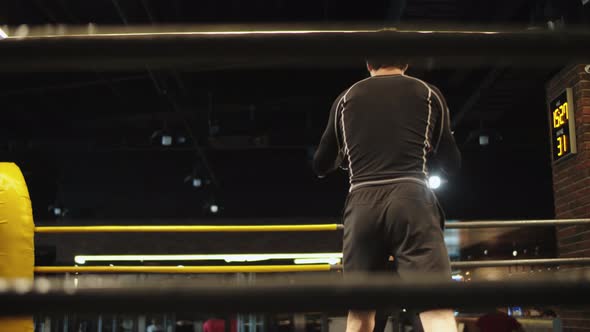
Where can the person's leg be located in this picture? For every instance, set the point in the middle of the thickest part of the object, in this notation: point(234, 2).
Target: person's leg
point(418, 245)
point(382, 315)
point(360, 321)
point(363, 248)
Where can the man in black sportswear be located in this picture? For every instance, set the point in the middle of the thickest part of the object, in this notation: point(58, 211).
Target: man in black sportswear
point(385, 130)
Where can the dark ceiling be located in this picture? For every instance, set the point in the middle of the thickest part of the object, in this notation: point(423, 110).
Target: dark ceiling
point(86, 139)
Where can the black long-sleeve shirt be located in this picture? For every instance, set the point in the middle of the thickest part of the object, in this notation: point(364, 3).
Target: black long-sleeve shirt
point(385, 129)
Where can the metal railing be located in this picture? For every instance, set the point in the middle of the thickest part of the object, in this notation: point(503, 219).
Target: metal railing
point(516, 223)
point(522, 262)
point(280, 295)
point(247, 47)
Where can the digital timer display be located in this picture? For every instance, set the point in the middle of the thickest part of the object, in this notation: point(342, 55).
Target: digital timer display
point(563, 130)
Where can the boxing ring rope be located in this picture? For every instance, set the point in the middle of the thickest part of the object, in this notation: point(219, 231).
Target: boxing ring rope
point(516, 223)
point(291, 268)
point(288, 228)
point(522, 262)
point(188, 269)
point(187, 229)
point(275, 295)
point(162, 47)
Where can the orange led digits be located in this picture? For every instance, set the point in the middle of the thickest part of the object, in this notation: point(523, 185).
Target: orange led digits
point(559, 114)
point(563, 129)
point(561, 145)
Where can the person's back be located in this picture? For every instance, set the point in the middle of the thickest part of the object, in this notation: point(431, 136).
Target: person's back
point(389, 126)
point(384, 109)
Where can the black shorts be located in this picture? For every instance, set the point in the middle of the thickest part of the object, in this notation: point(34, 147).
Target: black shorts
point(403, 220)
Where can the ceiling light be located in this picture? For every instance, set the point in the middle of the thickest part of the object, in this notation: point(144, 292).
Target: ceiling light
point(166, 140)
point(484, 140)
point(197, 183)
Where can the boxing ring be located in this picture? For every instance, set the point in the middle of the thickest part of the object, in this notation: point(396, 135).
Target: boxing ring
point(469, 225)
point(76, 48)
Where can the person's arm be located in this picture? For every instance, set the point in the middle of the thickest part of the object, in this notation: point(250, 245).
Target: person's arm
point(329, 155)
point(446, 153)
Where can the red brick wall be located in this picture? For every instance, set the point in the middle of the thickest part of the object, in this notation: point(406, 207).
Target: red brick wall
point(571, 182)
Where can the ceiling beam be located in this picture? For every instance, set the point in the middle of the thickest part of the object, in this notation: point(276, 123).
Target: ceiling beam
point(508, 11)
point(41, 5)
point(489, 79)
point(67, 86)
point(120, 12)
point(148, 10)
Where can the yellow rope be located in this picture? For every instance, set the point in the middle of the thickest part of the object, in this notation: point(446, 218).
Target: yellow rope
point(187, 229)
point(186, 269)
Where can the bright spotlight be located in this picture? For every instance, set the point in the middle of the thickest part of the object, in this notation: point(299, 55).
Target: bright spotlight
point(197, 183)
point(434, 182)
point(484, 140)
point(214, 208)
point(166, 140)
